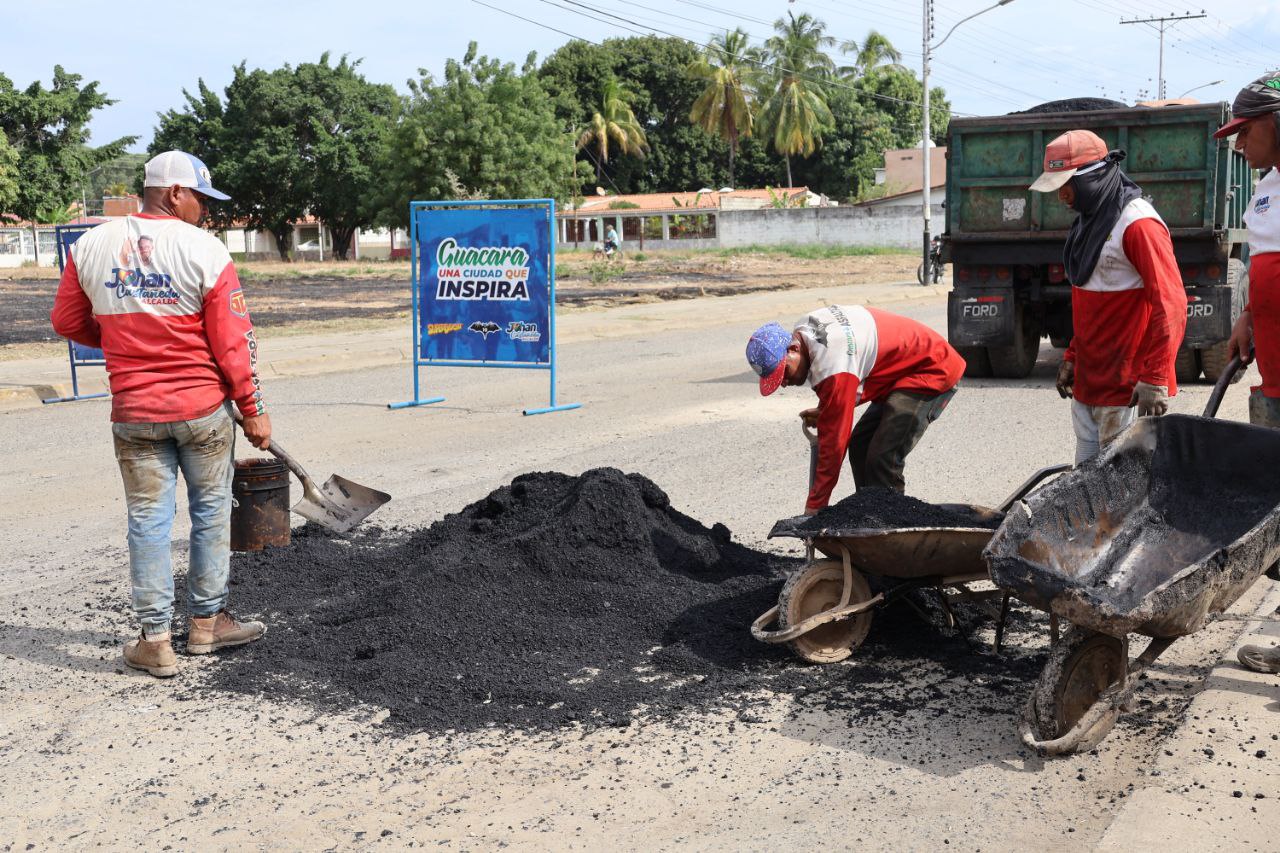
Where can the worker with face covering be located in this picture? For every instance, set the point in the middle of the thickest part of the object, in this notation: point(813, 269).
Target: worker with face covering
point(1128, 304)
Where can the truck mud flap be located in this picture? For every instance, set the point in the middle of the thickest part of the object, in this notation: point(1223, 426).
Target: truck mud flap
point(1210, 316)
point(980, 318)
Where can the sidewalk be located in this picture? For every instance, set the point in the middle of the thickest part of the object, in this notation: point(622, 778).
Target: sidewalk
point(28, 381)
point(1216, 782)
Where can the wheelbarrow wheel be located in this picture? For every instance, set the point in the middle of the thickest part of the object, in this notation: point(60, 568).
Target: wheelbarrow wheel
point(1082, 665)
point(816, 589)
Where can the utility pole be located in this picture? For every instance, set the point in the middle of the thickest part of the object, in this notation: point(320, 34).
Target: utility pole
point(929, 47)
point(1164, 23)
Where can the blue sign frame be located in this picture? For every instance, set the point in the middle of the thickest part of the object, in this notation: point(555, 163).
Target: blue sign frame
point(78, 354)
point(484, 289)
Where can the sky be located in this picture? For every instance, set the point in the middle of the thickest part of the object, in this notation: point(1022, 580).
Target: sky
point(1009, 58)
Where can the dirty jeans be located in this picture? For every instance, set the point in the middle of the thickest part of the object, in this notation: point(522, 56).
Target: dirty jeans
point(1096, 426)
point(150, 456)
point(887, 432)
point(1263, 410)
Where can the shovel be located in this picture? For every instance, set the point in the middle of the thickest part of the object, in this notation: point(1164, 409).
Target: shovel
point(338, 505)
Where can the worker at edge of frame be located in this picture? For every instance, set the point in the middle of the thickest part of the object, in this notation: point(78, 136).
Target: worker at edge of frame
point(1128, 304)
point(1255, 124)
point(852, 355)
point(161, 298)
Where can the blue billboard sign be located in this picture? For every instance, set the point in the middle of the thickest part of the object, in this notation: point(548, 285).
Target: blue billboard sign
point(484, 285)
point(484, 288)
point(78, 354)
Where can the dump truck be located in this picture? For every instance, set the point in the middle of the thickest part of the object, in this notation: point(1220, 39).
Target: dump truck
point(1004, 243)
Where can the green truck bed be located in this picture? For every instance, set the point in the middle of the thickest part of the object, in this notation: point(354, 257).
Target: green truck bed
point(1004, 243)
point(1197, 183)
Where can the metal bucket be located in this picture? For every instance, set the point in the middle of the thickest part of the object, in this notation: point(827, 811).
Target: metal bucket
point(259, 505)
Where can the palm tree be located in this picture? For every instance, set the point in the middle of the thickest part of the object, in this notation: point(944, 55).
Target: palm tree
point(615, 121)
point(875, 50)
point(795, 109)
point(724, 107)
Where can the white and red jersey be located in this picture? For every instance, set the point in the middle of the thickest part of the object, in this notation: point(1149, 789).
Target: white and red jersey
point(162, 300)
point(859, 355)
point(1263, 220)
point(1131, 314)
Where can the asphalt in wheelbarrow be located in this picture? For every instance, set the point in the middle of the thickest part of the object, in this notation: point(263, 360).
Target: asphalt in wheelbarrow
point(885, 509)
point(572, 601)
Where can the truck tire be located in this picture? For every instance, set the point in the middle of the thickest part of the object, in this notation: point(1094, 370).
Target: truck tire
point(976, 362)
point(1214, 359)
point(1186, 367)
point(1019, 359)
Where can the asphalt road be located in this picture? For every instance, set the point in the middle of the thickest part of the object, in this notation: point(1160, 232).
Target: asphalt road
point(120, 759)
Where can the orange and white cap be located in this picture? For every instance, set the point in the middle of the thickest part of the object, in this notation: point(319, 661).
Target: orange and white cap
point(1068, 155)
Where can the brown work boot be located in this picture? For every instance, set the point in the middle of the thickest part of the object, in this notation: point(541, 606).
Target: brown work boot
point(1260, 658)
point(154, 656)
point(210, 633)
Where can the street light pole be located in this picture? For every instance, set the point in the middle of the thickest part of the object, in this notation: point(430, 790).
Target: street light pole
point(1201, 86)
point(924, 141)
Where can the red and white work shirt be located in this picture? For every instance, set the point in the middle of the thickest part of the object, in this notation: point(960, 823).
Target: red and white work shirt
point(1131, 314)
point(859, 355)
point(162, 300)
point(1263, 222)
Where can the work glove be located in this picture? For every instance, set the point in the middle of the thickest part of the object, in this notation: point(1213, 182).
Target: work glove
point(1151, 400)
point(1066, 379)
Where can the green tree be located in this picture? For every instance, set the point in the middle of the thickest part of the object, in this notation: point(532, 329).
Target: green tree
point(724, 108)
point(49, 130)
point(343, 129)
point(286, 142)
point(875, 50)
point(898, 94)
point(795, 110)
point(493, 127)
point(8, 173)
point(654, 71)
point(844, 168)
point(613, 122)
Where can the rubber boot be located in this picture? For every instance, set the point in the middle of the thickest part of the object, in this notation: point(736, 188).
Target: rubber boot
point(210, 633)
point(1260, 658)
point(154, 656)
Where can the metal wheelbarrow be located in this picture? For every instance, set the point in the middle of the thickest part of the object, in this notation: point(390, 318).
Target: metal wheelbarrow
point(824, 610)
point(1157, 535)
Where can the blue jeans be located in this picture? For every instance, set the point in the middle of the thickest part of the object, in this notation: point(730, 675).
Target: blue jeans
point(150, 456)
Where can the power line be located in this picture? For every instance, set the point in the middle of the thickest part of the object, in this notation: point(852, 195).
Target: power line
point(1163, 20)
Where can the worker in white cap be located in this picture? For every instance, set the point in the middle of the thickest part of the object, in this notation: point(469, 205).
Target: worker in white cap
point(161, 299)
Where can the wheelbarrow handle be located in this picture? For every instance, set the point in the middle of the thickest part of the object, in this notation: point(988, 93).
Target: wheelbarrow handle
point(1220, 387)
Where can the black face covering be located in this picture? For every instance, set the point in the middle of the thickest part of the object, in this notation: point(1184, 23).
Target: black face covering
point(1101, 195)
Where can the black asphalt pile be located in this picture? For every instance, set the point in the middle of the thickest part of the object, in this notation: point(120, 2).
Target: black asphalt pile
point(885, 509)
point(586, 600)
point(1074, 105)
point(553, 600)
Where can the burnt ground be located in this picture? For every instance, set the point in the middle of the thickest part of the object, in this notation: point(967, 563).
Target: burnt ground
point(283, 300)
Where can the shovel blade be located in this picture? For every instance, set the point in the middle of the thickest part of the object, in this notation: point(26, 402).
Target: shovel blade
point(342, 505)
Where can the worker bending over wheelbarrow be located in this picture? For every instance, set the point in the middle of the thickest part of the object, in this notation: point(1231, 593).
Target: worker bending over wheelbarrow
point(1128, 305)
point(1255, 124)
point(852, 355)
